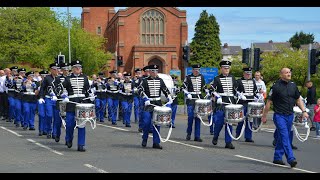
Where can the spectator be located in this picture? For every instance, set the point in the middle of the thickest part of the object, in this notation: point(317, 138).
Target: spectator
point(311, 101)
point(316, 118)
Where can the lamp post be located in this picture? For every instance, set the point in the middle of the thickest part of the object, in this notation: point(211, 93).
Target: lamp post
point(69, 41)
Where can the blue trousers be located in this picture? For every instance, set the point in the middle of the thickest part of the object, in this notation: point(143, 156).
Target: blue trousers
point(127, 109)
point(136, 102)
point(247, 131)
point(211, 127)
point(56, 130)
point(113, 109)
point(147, 125)
point(219, 122)
point(42, 116)
point(11, 107)
point(174, 111)
point(70, 124)
point(18, 109)
point(50, 106)
point(141, 118)
point(191, 117)
point(29, 110)
point(283, 124)
point(275, 135)
point(100, 108)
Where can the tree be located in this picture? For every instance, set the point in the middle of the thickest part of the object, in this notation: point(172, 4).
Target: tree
point(298, 39)
point(205, 45)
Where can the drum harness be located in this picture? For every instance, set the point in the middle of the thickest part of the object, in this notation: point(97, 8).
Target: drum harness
point(304, 123)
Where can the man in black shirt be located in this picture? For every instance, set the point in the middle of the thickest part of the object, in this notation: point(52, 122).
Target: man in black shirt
point(284, 94)
point(311, 101)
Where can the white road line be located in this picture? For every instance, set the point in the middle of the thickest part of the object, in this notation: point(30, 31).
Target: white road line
point(46, 147)
point(95, 168)
point(113, 127)
point(19, 135)
point(298, 169)
point(177, 142)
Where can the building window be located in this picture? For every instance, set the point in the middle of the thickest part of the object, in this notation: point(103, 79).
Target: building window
point(99, 30)
point(152, 28)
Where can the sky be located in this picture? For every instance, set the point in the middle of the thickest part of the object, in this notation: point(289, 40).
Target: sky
point(241, 26)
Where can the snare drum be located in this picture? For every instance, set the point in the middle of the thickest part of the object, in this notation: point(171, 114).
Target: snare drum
point(255, 109)
point(203, 107)
point(62, 108)
point(162, 115)
point(85, 111)
point(233, 113)
point(298, 120)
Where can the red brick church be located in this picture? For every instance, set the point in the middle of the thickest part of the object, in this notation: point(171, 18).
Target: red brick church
point(141, 35)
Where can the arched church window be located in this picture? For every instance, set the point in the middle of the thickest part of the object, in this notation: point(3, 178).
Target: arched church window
point(152, 28)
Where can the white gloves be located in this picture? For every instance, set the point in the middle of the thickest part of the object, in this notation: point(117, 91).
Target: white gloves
point(241, 96)
point(207, 91)
point(91, 97)
point(135, 90)
point(41, 101)
point(65, 100)
point(147, 102)
point(52, 94)
point(54, 98)
point(189, 96)
point(170, 101)
point(219, 99)
point(258, 98)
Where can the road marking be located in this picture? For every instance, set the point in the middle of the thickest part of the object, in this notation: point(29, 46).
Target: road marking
point(177, 142)
point(273, 163)
point(46, 147)
point(95, 168)
point(19, 135)
point(113, 127)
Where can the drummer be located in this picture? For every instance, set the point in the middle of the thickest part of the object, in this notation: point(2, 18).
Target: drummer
point(224, 88)
point(77, 86)
point(193, 85)
point(248, 88)
point(150, 90)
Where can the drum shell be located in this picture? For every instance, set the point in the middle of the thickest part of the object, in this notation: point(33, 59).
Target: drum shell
point(234, 113)
point(161, 116)
point(85, 111)
point(297, 121)
point(63, 108)
point(203, 107)
point(255, 109)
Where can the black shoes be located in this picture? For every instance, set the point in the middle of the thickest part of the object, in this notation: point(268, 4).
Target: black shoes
point(198, 139)
point(32, 129)
point(157, 146)
point(294, 147)
point(312, 128)
point(114, 123)
point(81, 149)
point(249, 140)
point(211, 133)
point(48, 136)
point(274, 143)
point(280, 162)
point(69, 144)
point(173, 126)
point(40, 133)
point(293, 163)
point(57, 139)
point(140, 129)
point(44, 133)
point(144, 143)
point(229, 146)
point(214, 141)
point(128, 125)
point(188, 137)
point(25, 127)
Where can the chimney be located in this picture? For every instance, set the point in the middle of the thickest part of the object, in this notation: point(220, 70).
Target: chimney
point(225, 45)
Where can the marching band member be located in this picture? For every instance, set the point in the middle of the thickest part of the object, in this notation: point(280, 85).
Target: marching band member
point(127, 89)
point(57, 121)
point(224, 87)
point(136, 98)
point(29, 100)
point(192, 86)
point(174, 105)
point(113, 96)
point(77, 87)
point(41, 106)
point(248, 88)
point(150, 90)
point(11, 92)
point(141, 119)
point(101, 99)
point(18, 96)
point(48, 96)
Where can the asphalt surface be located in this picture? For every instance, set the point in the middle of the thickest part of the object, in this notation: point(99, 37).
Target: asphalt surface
point(117, 149)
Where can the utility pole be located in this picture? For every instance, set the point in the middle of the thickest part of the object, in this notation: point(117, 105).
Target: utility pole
point(251, 55)
point(309, 64)
point(69, 41)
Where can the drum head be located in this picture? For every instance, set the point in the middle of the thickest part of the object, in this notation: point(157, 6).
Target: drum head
point(85, 105)
point(234, 106)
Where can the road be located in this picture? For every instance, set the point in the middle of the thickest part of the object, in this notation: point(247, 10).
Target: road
point(117, 149)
